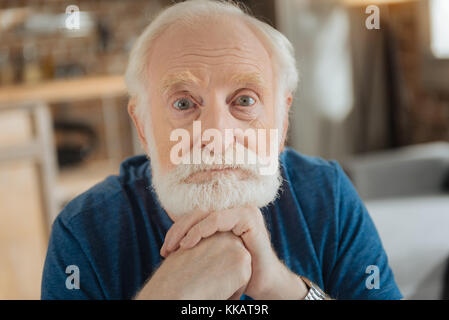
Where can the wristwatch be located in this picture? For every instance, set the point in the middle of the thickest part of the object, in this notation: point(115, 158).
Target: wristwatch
point(314, 293)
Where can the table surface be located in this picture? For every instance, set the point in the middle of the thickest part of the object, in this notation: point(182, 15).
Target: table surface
point(66, 90)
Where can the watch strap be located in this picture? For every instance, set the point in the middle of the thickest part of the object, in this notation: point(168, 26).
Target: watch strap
point(314, 293)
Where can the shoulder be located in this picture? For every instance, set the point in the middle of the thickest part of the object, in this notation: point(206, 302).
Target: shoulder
point(320, 188)
point(109, 233)
point(114, 191)
point(344, 237)
point(308, 172)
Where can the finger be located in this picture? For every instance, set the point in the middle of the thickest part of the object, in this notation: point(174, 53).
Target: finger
point(179, 229)
point(254, 234)
point(218, 221)
point(202, 229)
point(246, 222)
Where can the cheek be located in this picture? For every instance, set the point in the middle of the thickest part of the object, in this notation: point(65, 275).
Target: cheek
point(267, 116)
point(272, 131)
point(161, 132)
point(267, 121)
point(271, 113)
point(164, 127)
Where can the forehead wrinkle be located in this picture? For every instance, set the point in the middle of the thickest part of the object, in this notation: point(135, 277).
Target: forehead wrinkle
point(228, 58)
point(219, 55)
point(195, 64)
point(206, 47)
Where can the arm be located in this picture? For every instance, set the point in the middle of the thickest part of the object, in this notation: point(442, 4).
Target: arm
point(64, 251)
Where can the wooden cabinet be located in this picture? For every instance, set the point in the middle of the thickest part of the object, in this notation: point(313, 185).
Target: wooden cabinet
point(23, 231)
point(32, 188)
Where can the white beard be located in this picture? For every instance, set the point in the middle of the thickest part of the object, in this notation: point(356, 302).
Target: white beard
point(223, 190)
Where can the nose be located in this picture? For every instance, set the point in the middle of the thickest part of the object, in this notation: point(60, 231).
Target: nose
point(217, 124)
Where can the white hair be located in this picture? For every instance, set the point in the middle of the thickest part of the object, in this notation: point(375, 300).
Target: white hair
point(189, 12)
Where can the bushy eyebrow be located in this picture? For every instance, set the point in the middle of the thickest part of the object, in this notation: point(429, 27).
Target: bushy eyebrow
point(177, 79)
point(252, 79)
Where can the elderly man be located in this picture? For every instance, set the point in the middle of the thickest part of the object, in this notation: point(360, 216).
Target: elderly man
point(196, 223)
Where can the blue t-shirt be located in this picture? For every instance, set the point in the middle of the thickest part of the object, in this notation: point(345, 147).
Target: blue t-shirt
point(319, 227)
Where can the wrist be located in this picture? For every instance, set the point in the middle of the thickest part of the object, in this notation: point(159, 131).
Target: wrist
point(295, 288)
point(285, 285)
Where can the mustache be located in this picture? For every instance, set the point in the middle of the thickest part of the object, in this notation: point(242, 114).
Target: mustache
point(217, 161)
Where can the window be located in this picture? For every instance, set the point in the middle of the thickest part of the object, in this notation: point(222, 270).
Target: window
point(439, 28)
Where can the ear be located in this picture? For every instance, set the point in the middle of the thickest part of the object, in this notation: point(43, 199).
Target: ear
point(288, 103)
point(132, 103)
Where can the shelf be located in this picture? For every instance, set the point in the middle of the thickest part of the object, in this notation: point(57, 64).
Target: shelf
point(64, 90)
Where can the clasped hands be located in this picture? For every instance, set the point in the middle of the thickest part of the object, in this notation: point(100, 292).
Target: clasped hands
point(268, 277)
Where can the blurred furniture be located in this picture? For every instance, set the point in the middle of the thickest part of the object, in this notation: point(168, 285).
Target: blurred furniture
point(408, 171)
point(39, 149)
point(32, 188)
point(56, 189)
point(405, 191)
point(24, 145)
point(446, 281)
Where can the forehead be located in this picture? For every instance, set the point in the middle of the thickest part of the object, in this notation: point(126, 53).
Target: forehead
point(220, 48)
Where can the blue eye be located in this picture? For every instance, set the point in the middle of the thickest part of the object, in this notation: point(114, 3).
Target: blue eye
point(183, 104)
point(245, 101)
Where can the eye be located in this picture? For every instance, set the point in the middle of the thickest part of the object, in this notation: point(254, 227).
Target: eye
point(245, 101)
point(183, 104)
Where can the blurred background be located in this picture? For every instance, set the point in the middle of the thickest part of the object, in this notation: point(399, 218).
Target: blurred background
point(374, 95)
